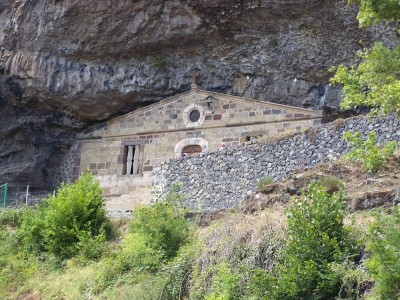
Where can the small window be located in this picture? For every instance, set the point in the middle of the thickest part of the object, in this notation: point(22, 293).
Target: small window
point(191, 150)
point(133, 160)
point(194, 115)
point(250, 138)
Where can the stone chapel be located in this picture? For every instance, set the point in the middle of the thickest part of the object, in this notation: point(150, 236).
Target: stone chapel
point(122, 152)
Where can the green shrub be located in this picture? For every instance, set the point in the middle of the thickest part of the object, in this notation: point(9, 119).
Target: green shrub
point(137, 254)
point(244, 246)
point(354, 280)
point(92, 247)
point(261, 284)
point(374, 11)
point(368, 153)
point(10, 217)
point(263, 182)
point(384, 263)
point(64, 224)
point(127, 264)
point(374, 82)
point(156, 235)
point(225, 284)
point(317, 239)
point(16, 266)
point(178, 274)
point(163, 224)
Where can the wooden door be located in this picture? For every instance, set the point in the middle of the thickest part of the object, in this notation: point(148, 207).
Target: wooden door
point(191, 150)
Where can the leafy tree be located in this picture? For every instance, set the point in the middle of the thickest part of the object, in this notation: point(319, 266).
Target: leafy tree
point(318, 242)
point(375, 81)
point(372, 11)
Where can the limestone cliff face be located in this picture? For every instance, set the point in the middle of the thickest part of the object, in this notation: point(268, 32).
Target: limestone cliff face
point(68, 63)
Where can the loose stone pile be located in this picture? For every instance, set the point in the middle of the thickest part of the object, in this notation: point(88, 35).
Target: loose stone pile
point(222, 178)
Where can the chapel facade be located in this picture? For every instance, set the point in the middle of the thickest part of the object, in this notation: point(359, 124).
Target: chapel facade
point(122, 152)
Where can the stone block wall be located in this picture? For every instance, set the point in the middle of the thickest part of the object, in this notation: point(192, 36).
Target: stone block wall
point(105, 156)
point(70, 165)
point(123, 193)
point(222, 178)
point(172, 115)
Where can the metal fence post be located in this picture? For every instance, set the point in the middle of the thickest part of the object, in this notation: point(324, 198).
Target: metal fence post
point(5, 195)
point(27, 194)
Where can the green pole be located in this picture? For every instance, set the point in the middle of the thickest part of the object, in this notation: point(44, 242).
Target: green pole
point(5, 194)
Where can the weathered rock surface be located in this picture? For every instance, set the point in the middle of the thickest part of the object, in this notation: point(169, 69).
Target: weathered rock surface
point(65, 64)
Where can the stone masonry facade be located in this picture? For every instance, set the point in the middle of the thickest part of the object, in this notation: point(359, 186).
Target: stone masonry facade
point(223, 178)
point(160, 132)
point(70, 166)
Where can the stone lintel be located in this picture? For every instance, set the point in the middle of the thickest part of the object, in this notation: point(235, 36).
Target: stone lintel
point(137, 142)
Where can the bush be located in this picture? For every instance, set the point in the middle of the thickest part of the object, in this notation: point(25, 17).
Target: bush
point(261, 284)
point(16, 267)
point(10, 217)
point(137, 254)
point(178, 274)
point(374, 11)
point(354, 280)
point(92, 247)
point(368, 153)
point(64, 224)
point(374, 82)
point(384, 263)
point(156, 235)
point(317, 239)
point(225, 284)
point(163, 225)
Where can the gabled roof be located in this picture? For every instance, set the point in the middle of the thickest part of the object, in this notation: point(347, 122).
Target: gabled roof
point(196, 90)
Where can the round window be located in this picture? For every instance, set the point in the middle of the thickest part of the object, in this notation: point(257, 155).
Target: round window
point(194, 115)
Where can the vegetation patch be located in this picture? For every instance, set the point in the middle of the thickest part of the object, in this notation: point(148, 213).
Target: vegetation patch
point(304, 251)
point(263, 182)
point(371, 156)
point(69, 222)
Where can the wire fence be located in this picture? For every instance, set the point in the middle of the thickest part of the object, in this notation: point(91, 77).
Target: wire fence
point(15, 197)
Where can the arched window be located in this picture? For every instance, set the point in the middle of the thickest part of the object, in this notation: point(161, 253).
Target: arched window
point(189, 147)
point(190, 150)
